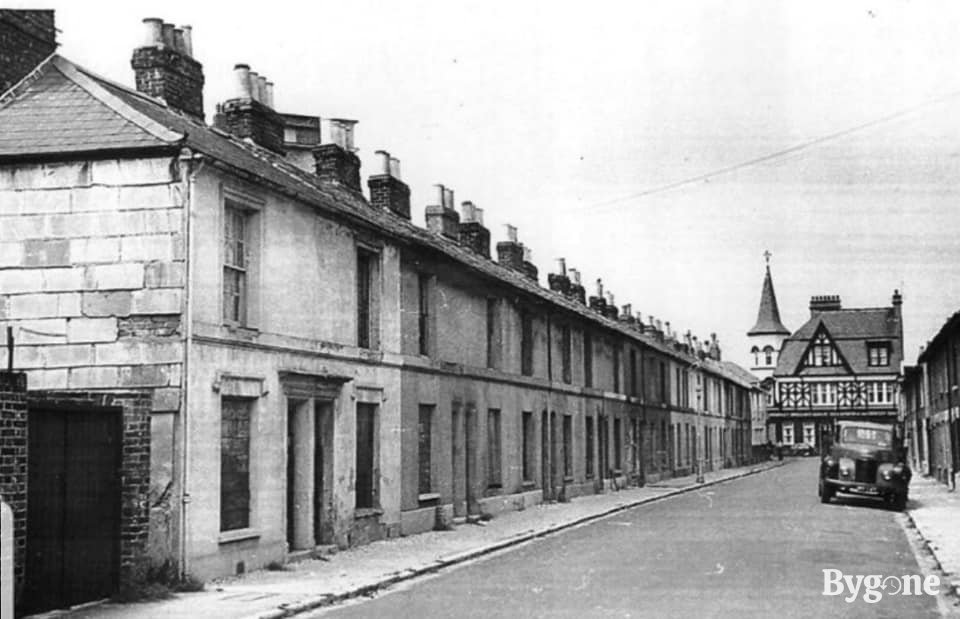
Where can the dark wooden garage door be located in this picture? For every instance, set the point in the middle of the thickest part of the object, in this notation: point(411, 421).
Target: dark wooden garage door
point(73, 506)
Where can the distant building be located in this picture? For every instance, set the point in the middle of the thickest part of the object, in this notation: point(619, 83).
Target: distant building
point(841, 364)
point(931, 400)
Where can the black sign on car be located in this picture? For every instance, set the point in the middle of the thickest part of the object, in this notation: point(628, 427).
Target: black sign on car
point(866, 459)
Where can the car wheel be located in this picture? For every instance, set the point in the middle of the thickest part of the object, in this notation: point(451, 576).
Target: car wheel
point(826, 492)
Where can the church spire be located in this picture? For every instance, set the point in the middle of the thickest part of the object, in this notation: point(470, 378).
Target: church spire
point(768, 318)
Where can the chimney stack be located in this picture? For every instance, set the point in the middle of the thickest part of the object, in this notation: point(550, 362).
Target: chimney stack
point(529, 269)
point(577, 291)
point(473, 234)
point(442, 218)
point(510, 252)
point(27, 38)
point(611, 310)
point(597, 302)
point(164, 67)
point(249, 114)
point(626, 315)
point(336, 161)
point(824, 303)
point(387, 191)
point(559, 281)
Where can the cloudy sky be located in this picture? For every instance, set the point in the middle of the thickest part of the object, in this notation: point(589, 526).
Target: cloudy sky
point(565, 119)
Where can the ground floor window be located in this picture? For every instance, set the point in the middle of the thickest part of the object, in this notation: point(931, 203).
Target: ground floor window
point(788, 434)
point(493, 449)
point(567, 446)
point(528, 439)
point(425, 445)
point(588, 446)
point(234, 463)
point(366, 455)
point(617, 444)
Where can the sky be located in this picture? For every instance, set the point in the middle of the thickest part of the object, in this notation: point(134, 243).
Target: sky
point(565, 119)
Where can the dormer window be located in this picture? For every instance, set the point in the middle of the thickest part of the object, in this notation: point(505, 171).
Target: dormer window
point(878, 354)
point(822, 353)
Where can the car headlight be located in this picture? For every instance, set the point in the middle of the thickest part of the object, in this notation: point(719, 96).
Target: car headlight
point(829, 462)
point(887, 474)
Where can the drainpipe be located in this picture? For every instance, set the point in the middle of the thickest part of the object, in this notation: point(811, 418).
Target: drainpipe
point(188, 175)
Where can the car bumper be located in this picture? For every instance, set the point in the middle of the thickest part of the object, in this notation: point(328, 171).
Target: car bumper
point(864, 487)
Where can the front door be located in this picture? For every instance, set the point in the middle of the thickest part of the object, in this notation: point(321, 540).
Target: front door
point(73, 506)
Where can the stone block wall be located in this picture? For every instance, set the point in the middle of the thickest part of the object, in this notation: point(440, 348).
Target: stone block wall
point(13, 460)
point(92, 274)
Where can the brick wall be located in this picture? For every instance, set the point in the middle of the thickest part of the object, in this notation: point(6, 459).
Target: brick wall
point(171, 76)
point(134, 468)
point(26, 38)
point(391, 194)
point(13, 460)
point(246, 118)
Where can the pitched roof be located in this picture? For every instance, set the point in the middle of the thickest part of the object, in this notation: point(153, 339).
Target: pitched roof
point(768, 317)
point(849, 330)
point(116, 118)
point(949, 327)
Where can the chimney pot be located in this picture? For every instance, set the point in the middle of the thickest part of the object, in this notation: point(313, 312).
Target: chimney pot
point(478, 215)
point(262, 90)
point(441, 192)
point(511, 233)
point(269, 93)
point(575, 276)
point(341, 133)
point(527, 254)
point(178, 40)
point(467, 210)
point(187, 40)
point(241, 73)
point(448, 198)
point(562, 266)
point(610, 299)
point(395, 168)
point(254, 85)
point(384, 161)
point(599, 288)
point(166, 32)
point(152, 32)
point(627, 310)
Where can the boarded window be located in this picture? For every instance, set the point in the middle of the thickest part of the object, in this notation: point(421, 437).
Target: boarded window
point(617, 444)
point(424, 313)
point(235, 261)
point(494, 479)
point(493, 334)
point(588, 446)
point(425, 445)
point(528, 440)
point(568, 446)
point(587, 359)
point(633, 372)
point(234, 464)
point(616, 369)
point(526, 343)
point(366, 451)
point(368, 322)
point(565, 346)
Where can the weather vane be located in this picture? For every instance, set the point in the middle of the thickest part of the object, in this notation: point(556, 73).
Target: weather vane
point(767, 255)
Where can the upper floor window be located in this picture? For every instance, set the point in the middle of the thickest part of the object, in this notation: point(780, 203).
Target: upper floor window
point(878, 354)
point(587, 359)
point(822, 353)
point(236, 244)
point(526, 343)
point(756, 355)
point(768, 355)
point(565, 346)
point(423, 281)
point(368, 277)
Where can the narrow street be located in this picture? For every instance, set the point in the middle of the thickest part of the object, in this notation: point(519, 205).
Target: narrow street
point(752, 547)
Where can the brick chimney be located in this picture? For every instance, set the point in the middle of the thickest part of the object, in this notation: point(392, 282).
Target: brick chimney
point(611, 310)
point(249, 114)
point(510, 252)
point(824, 303)
point(576, 288)
point(598, 303)
point(337, 162)
point(164, 67)
point(26, 39)
point(559, 281)
point(715, 352)
point(626, 315)
point(529, 268)
point(473, 234)
point(387, 191)
point(442, 218)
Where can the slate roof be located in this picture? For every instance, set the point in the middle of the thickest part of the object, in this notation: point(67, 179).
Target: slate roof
point(949, 328)
point(39, 118)
point(768, 317)
point(850, 330)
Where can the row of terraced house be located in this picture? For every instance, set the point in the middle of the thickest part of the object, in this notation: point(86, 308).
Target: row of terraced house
point(275, 361)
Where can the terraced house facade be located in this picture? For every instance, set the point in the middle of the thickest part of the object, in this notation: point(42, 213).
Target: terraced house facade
point(276, 362)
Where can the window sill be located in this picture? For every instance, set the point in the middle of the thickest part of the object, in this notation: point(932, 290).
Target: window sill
point(528, 484)
point(367, 512)
point(568, 479)
point(429, 496)
point(238, 535)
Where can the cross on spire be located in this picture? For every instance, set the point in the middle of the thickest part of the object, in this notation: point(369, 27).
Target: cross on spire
point(767, 255)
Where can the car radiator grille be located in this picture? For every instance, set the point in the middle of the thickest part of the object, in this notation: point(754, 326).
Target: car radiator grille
point(866, 470)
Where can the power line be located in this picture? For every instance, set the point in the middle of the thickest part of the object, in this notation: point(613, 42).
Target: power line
point(768, 157)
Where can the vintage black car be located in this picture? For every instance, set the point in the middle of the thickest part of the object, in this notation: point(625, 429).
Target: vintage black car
point(866, 459)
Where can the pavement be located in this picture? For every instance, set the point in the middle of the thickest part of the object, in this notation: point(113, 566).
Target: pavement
point(362, 571)
point(935, 511)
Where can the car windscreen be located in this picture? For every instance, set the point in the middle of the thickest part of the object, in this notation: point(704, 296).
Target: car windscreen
point(867, 436)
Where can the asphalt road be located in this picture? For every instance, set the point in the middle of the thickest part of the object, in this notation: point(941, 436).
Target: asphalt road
point(751, 547)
